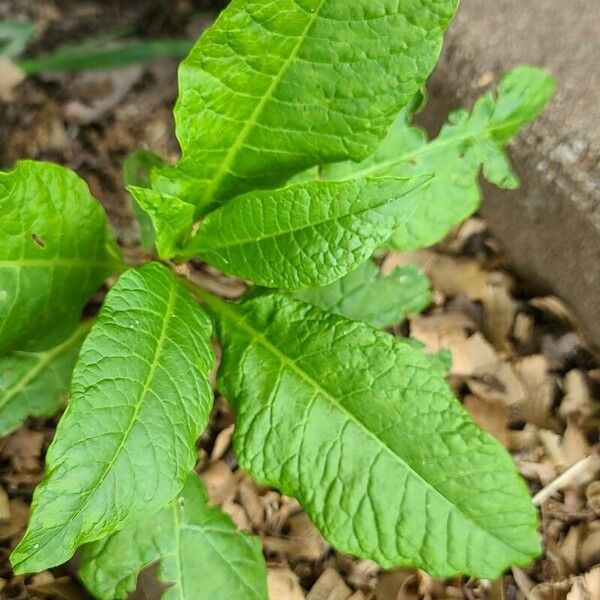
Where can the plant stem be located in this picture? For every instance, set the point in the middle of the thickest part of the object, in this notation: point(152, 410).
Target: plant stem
point(213, 302)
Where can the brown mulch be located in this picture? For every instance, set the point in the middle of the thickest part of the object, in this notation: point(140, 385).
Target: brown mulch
point(521, 364)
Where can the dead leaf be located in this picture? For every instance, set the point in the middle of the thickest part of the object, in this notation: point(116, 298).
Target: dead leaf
point(449, 275)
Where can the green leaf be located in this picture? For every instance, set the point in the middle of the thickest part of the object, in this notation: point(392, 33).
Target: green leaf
point(140, 397)
point(361, 429)
point(276, 86)
point(363, 295)
point(455, 157)
point(37, 383)
point(200, 552)
point(137, 168)
point(172, 219)
point(86, 56)
point(14, 37)
point(55, 252)
point(305, 235)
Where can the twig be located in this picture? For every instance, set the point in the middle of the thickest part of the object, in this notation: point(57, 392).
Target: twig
point(586, 465)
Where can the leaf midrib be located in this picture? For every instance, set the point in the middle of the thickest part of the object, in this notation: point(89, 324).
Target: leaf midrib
point(151, 373)
point(292, 230)
point(430, 146)
point(225, 308)
point(223, 169)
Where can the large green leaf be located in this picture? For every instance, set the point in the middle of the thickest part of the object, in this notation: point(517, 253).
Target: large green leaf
point(455, 157)
point(304, 235)
point(275, 86)
point(201, 554)
point(364, 432)
point(363, 295)
point(140, 397)
point(37, 383)
point(55, 252)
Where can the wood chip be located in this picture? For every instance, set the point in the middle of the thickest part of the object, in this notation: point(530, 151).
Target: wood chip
point(579, 473)
point(589, 550)
point(237, 514)
point(220, 482)
point(222, 443)
point(10, 76)
point(577, 402)
point(400, 584)
point(330, 586)
point(303, 542)
point(283, 584)
point(249, 498)
point(499, 311)
point(5, 513)
point(574, 444)
point(490, 416)
point(539, 386)
point(592, 494)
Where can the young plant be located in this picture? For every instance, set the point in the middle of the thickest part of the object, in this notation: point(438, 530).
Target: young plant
point(298, 162)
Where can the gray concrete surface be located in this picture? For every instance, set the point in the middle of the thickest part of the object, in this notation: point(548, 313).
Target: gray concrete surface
point(550, 227)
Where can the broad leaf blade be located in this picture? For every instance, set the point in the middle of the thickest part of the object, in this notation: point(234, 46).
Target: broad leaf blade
point(469, 142)
point(140, 398)
point(304, 235)
point(201, 554)
point(274, 87)
point(37, 383)
point(364, 432)
point(55, 252)
point(363, 295)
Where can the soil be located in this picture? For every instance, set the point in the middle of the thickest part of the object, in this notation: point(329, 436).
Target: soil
point(521, 365)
